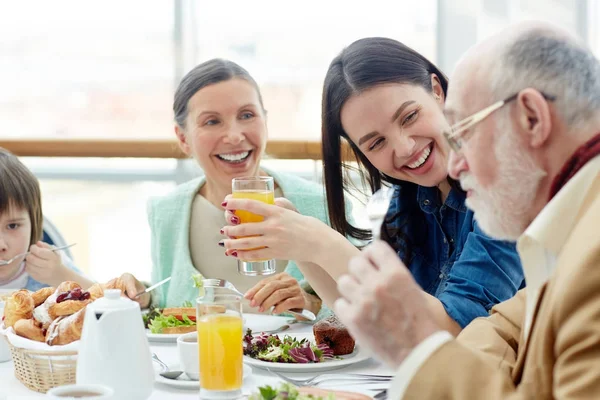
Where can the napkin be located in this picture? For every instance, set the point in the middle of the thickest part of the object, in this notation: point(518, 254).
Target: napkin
point(28, 344)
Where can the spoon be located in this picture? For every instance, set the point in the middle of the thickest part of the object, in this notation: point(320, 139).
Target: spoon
point(166, 372)
point(6, 262)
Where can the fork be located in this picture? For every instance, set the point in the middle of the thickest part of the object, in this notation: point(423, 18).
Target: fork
point(222, 283)
point(377, 208)
point(319, 379)
point(3, 262)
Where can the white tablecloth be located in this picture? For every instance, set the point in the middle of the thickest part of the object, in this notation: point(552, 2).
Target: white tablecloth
point(11, 388)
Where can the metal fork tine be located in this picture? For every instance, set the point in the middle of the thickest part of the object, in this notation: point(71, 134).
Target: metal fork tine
point(285, 378)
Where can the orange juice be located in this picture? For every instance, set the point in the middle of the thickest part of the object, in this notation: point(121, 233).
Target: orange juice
point(221, 351)
point(266, 196)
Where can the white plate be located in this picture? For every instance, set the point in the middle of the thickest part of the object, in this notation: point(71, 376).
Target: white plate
point(263, 322)
point(163, 337)
point(357, 356)
point(183, 382)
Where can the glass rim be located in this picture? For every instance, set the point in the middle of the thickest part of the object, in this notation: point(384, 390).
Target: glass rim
point(252, 179)
point(223, 298)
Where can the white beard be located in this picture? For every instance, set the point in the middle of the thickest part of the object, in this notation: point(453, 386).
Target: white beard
point(502, 209)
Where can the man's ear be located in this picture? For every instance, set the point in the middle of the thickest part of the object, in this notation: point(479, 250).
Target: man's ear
point(182, 140)
point(534, 117)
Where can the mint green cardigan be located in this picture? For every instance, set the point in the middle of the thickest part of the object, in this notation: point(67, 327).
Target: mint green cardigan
point(169, 219)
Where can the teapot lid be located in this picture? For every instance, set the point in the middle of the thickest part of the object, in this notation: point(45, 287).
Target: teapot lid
point(113, 300)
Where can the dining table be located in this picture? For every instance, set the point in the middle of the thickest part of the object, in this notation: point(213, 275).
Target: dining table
point(12, 388)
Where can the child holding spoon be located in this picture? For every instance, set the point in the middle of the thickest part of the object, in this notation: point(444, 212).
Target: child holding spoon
point(21, 231)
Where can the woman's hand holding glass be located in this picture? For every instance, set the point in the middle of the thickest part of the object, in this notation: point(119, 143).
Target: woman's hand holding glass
point(284, 234)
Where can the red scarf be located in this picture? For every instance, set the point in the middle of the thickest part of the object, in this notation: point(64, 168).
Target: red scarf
point(585, 153)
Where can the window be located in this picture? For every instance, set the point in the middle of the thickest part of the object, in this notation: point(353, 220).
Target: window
point(86, 69)
point(108, 69)
point(288, 47)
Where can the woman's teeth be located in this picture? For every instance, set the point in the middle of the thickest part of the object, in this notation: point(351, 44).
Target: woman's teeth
point(234, 158)
point(424, 156)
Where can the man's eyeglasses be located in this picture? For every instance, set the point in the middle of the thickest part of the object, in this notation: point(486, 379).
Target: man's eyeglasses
point(455, 136)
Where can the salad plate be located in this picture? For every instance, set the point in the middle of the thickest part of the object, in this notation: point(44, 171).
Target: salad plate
point(168, 337)
point(327, 364)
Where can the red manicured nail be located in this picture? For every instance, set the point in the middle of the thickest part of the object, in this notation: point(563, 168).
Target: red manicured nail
point(222, 232)
point(224, 204)
point(235, 220)
point(234, 253)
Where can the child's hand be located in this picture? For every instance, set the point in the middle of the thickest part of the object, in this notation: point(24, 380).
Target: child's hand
point(45, 265)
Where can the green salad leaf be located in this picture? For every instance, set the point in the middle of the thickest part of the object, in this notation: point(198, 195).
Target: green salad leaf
point(285, 391)
point(199, 284)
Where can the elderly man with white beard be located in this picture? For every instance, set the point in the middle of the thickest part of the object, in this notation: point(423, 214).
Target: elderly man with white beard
point(526, 145)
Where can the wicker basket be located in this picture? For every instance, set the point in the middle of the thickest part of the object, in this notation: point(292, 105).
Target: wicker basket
point(43, 370)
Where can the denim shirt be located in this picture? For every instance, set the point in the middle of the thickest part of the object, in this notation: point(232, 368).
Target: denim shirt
point(450, 257)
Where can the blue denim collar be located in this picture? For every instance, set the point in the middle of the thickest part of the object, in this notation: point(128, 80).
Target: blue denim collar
point(429, 199)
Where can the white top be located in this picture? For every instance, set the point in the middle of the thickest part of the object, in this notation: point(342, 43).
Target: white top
point(208, 257)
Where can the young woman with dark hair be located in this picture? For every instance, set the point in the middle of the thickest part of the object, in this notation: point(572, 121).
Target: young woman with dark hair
point(386, 100)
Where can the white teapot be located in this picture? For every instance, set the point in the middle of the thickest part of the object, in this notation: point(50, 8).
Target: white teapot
point(114, 349)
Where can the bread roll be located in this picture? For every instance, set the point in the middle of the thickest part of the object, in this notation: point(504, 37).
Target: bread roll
point(41, 295)
point(30, 329)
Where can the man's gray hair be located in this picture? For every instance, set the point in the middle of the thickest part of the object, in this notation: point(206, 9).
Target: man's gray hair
point(556, 66)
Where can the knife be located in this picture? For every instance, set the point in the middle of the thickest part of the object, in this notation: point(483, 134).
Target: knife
point(153, 287)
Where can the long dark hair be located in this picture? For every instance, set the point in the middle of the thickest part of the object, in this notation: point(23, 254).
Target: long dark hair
point(208, 73)
point(362, 65)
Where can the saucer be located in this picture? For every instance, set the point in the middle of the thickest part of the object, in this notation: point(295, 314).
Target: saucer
point(184, 382)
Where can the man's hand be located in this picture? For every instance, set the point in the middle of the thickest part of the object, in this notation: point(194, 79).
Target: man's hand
point(382, 306)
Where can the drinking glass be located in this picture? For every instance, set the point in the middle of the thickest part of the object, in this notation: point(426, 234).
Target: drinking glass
point(219, 323)
point(259, 188)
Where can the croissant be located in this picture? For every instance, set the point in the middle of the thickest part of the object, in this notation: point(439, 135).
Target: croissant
point(67, 307)
point(18, 306)
point(65, 330)
point(42, 312)
point(67, 286)
point(41, 295)
point(116, 283)
point(30, 329)
point(96, 291)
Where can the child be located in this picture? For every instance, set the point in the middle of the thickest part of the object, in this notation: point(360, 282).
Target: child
point(21, 231)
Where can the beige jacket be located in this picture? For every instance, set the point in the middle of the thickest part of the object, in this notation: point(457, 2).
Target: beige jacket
point(551, 348)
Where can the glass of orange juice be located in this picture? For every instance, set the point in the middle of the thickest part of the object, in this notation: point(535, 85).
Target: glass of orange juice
point(259, 188)
point(219, 323)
